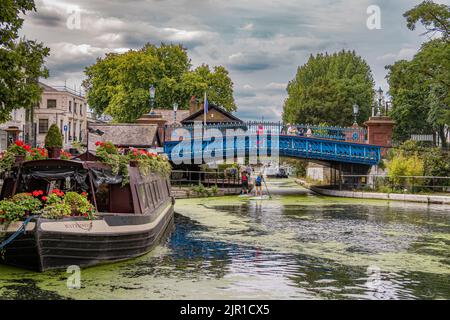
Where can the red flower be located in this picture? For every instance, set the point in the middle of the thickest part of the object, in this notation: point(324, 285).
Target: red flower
point(20, 143)
point(58, 192)
point(27, 147)
point(44, 198)
point(37, 193)
point(84, 194)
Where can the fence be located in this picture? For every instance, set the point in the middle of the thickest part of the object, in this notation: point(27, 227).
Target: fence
point(403, 184)
point(352, 134)
point(221, 179)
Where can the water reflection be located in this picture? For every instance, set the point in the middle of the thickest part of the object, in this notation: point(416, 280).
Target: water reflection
point(288, 248)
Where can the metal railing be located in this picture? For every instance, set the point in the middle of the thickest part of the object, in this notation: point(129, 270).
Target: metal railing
point(399, 184)
point(221, 179)
point(351, 134)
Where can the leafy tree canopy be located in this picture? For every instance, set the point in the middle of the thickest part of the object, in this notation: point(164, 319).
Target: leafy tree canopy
point(435, 18)
point(326, 88)
point(118, 84)
point(21, 60)
point(420, 87)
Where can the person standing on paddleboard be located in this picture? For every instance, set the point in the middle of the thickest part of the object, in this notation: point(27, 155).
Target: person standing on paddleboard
point(258, 182)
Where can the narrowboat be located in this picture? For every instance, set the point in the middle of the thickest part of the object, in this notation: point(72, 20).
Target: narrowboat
point(130, 218)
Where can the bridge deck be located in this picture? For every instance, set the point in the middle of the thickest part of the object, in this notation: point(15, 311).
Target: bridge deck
point(287, 145)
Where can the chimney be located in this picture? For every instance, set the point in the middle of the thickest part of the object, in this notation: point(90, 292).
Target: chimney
point(193, 105)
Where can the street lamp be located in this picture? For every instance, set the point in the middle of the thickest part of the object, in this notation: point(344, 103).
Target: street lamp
point(152, 98)
point(355, 113)
point(380, 99)
point(175, 108)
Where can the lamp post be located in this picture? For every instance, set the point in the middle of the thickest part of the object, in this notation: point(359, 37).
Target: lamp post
point(152, 98)
point(175, 108)
point(355, 114)
point(380, 99)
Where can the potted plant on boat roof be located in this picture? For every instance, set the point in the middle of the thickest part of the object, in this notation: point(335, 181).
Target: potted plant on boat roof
point(19, 149)
point(53, 142)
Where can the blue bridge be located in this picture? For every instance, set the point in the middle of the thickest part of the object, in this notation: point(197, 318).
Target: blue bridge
point(329, 144)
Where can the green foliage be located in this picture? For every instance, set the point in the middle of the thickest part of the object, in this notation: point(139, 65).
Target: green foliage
point(53, 139)
point(79, 205)
point(405, 166)
point(435, 18)
point(298, 165)
point(56, 210)
point(21, 60)
point(201, 191)
point(27, 201)
point(119, 84)
point(326, 88)
point(214, 190)
point(7, 161)
point(11, 211)
point(147, 162)
point(420, 87)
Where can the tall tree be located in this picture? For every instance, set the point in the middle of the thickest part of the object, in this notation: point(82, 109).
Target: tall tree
point(118, 84)
point(326, 88)
point(21, 60)
point(435, 18)
point(420, 87)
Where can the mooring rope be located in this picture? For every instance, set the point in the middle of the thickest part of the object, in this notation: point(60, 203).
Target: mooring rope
point(23, 228)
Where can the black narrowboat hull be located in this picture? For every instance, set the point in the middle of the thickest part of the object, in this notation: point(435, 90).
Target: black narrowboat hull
point(56, 244)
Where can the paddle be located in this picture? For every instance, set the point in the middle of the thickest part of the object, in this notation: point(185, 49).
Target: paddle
point(265, 184)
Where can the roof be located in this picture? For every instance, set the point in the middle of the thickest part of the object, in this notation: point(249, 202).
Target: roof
point(168, 115)
point(124, 134)
point(198, 113)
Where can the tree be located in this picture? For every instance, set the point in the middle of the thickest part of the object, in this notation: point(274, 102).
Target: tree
point(326, 88)
point(435, 18)
point(118, 84)
point(420, 87)
point(21, 60)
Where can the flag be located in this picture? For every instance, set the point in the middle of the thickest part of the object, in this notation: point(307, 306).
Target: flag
point(206, 104)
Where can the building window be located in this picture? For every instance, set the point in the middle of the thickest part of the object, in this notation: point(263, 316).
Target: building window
point(75, 107)
point(43, 125)
point(70, 106)
point(51, 103)
point(70, 129)
point(80, 132)
point(61, 126)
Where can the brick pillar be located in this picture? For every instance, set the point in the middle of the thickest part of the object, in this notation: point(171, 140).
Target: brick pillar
point(379, 132)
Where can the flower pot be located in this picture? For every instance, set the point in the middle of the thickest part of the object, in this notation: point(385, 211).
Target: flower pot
point(54, 152)
point(20, 158)
point(134, 163)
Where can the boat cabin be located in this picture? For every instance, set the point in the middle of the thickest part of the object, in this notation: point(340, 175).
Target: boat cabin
point(143, 194)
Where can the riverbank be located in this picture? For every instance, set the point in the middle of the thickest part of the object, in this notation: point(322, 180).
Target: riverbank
point(422, 198)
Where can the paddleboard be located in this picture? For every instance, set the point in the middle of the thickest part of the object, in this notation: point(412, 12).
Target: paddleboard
point(260, 198)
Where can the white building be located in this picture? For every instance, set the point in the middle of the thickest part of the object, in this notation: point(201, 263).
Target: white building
point(61, 105)
point(12, 130)
point(65, 107)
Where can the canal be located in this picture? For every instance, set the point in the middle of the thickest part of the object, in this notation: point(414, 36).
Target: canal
point(295, 246)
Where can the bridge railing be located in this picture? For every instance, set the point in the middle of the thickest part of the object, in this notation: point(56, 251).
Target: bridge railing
point(350, 134)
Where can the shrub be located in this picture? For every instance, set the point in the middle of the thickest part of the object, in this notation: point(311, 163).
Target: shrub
point(79, 204)
point(19, 148)
point(53, 139)
point(37, 154)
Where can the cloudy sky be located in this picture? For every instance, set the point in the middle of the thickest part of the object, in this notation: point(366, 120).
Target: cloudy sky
point(261, 42)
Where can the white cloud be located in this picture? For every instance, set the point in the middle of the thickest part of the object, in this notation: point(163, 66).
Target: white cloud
point(261, 42)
